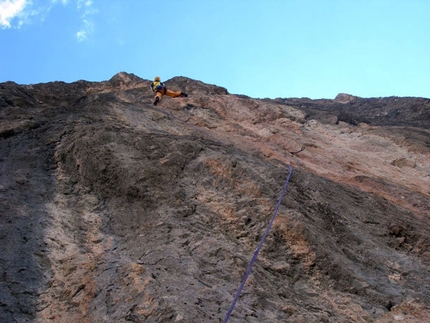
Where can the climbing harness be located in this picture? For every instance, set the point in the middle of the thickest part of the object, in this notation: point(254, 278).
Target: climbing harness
point(157, 86)
point(254, 258)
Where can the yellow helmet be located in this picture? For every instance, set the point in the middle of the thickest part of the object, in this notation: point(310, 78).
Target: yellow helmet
point(157, 79)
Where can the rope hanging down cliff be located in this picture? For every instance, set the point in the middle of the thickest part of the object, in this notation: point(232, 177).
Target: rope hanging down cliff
point(254, 258)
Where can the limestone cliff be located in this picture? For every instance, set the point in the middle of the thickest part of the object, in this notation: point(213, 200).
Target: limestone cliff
point(115, 210)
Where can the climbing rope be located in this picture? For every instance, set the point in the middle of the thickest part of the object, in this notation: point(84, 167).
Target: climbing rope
point(254, 258)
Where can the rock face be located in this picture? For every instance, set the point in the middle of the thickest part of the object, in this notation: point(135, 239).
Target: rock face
point(115, 210)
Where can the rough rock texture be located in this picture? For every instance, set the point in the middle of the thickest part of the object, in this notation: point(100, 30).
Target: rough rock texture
point(115, 210)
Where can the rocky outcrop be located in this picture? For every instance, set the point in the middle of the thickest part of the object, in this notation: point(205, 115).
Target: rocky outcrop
point(115, 210)
point(345, 98)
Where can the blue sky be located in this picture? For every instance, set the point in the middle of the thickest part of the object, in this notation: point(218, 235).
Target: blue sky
point(270, 48)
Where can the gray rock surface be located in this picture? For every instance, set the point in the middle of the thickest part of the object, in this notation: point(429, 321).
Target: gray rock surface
point(115, 210)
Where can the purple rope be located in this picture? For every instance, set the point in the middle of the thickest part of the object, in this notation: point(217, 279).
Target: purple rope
point(254, 258)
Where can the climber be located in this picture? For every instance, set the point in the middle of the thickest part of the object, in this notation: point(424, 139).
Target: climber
point(160, 89)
